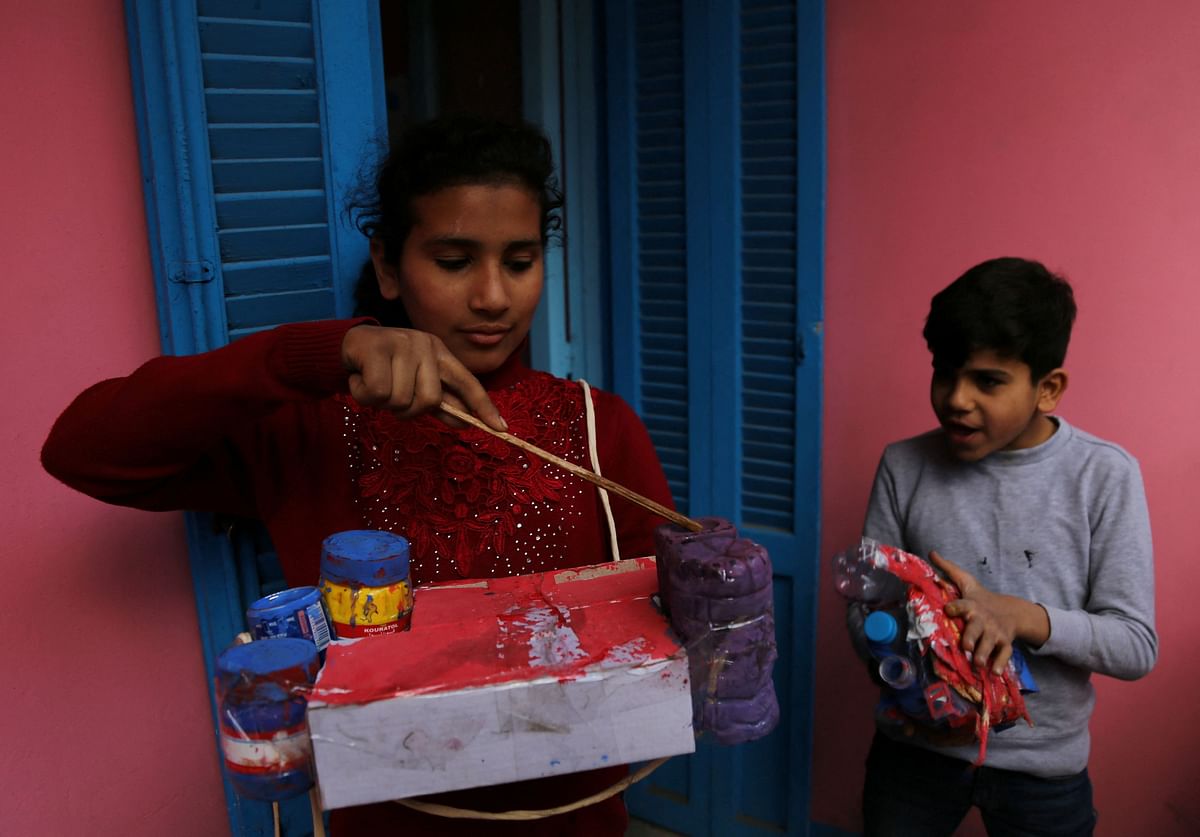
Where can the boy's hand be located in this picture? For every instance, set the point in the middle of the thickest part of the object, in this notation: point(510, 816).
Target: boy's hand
point(410, 372)
point(993, 620)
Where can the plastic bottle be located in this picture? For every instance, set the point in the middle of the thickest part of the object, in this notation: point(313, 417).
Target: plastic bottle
point(857, 576)
point(883, 631)
point(261, 698)
point(898, 668)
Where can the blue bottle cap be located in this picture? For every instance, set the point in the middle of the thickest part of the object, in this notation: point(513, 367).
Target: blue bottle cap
point(267, 669)
point(365, 557)
point(283, 603)
point(881, 627)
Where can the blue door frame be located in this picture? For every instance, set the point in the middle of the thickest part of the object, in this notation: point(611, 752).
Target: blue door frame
point(252, 122)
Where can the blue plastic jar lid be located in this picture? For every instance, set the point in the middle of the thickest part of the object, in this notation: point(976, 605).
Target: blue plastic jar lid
point(880, 627)
point(364, 557)
point(267, 669)
point(283, 603)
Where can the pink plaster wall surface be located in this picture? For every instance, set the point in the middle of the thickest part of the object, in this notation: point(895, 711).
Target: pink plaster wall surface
point(1070, 134)
point(105, 727)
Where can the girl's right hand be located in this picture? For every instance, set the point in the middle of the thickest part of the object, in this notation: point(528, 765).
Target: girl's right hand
point(411, 372)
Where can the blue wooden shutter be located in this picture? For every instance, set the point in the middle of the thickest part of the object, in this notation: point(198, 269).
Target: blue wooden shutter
point(253, 120)
point(651, 256)
point(716, 163)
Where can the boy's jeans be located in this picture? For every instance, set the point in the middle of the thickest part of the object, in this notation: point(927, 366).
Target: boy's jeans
point(911, 792)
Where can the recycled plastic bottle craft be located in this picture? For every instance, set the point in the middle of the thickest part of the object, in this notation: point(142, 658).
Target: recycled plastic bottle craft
point(717, 590)
point(901, 624)
point(262, 697)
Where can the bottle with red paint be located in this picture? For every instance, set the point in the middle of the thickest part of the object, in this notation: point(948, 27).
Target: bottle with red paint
point(262, 696)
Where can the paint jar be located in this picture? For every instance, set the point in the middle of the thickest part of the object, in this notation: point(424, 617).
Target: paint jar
point(296, 612)
point(262, 690)
point(364, 582)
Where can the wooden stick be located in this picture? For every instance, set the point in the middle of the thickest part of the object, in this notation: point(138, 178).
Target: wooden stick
point(318, 819)
point(583, 473)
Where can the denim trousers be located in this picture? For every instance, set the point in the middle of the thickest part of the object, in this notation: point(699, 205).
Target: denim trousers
point(912, 792)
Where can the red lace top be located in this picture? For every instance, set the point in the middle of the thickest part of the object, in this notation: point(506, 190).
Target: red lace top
point(470, 504)
point(263, 428)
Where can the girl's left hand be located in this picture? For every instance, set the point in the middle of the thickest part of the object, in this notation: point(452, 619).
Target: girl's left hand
point(993, 620)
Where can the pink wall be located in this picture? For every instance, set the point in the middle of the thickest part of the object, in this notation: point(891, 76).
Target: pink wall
point(105, 726)
point(956, 132)
point(962, 131)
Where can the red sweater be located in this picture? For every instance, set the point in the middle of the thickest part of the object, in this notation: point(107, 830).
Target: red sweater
point(265, 428)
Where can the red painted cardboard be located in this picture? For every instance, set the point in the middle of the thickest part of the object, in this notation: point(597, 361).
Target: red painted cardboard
point(500, 680)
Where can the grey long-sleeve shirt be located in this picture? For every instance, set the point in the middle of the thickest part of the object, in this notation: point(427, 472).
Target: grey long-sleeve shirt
point(1063, 524)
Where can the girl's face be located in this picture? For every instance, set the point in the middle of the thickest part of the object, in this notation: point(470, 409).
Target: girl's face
point(471, 270)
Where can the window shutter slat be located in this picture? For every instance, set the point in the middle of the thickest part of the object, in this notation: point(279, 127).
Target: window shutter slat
point(266, 145)
point(769, 265)
point(661, 232)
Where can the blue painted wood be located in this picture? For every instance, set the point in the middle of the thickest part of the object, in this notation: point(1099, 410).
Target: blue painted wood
point(263, 175)
point(583, 161)
point(353, 125)
point(232, 105)
point(541, 100)
point(748, 339)
point(559, 92)
point(294, 10)
point(649, 283)
point(295, 274)
point(260, 72)
point(239, 174)
point(620, 84)
point(662, 321)
point(261, 243)
point(275, 309)
point(298, 206)
point(810, 238)
point(239, 36)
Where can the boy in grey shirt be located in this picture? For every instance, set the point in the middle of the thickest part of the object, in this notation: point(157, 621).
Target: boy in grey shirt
point(1044, 530)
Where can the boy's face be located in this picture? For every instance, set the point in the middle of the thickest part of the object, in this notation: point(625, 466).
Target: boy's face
point(990, 404)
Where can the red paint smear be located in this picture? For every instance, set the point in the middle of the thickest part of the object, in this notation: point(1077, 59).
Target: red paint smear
point(469, 634)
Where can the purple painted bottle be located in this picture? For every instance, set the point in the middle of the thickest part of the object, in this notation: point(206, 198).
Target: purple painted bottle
point(717, 590)
point(262, 689)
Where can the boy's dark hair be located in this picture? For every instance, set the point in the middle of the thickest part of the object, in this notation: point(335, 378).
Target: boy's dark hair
point(1013, 307)
point(434, 155)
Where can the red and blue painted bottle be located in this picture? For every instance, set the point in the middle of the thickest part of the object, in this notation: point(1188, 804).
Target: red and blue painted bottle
point(262, 695)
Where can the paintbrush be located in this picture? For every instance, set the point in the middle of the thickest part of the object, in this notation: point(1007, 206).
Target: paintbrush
point(579, 471)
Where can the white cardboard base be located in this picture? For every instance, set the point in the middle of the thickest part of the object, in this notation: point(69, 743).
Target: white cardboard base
point(414, 745)
point(500, 681)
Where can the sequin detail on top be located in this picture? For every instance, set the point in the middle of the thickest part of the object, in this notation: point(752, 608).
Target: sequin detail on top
point(470, 504)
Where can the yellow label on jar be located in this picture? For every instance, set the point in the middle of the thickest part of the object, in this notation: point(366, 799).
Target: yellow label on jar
point(367, 611)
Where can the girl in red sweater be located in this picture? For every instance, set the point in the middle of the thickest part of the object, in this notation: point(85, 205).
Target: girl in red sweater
point(316, 428)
